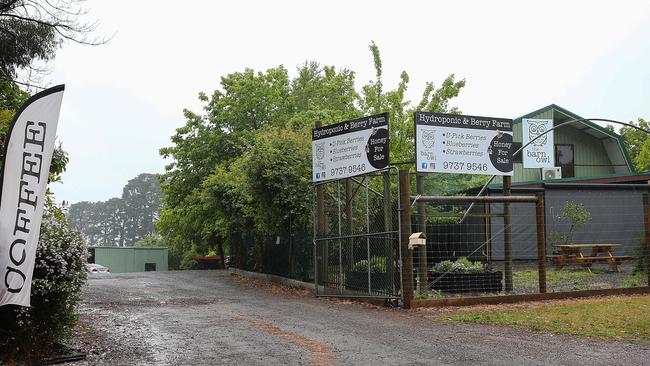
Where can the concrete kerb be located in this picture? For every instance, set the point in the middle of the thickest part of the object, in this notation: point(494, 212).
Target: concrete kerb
point(272, 278)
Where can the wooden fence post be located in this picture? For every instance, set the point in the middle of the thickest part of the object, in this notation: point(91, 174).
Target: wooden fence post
point(507, 235)
point(405, 225)
point(541, 241)
point(422, 227)
point(646, 214)
point(349, 242)
point(321, 225)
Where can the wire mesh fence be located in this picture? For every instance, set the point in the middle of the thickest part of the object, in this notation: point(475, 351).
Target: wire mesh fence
point(289, 255)
point(356, 243)
point(594, 238)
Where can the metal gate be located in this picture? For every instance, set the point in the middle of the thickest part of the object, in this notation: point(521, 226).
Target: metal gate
point(357, 237)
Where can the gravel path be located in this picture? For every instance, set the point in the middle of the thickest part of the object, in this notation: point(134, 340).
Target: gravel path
point(211, 318)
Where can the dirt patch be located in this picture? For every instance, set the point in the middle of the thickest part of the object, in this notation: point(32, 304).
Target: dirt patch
point(271, 287)
point(319, 353)
point(278, 289)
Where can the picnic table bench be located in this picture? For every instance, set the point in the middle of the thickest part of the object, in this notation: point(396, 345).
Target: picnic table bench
point(571, 254)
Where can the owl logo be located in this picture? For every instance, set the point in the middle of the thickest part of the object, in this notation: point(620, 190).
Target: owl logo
point(535, 129)
point(428, 138)
point(320, 151)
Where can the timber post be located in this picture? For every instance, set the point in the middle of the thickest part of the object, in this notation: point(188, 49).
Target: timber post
point(321, 225)
point(507, 235)
point(405, 224)
point(646, 213)
point(541, 242)
point(422, 227)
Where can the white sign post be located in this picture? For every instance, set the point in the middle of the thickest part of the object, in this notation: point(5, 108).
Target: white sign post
point(539, 154)
point(449, 143)
point(27, 158)
point(350, 148)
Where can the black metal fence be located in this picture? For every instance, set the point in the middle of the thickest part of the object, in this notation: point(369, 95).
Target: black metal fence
point(288, 255)
point(356, 245)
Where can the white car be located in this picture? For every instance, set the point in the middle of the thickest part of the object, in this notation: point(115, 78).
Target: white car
point(94, 268)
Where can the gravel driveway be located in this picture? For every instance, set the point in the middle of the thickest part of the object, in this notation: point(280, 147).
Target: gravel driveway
point(211, 318)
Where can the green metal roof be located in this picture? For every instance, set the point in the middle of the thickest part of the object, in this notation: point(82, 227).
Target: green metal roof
point(595, 126)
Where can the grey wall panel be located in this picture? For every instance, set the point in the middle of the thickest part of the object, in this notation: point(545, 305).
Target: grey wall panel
point(617, 216)
point(524, 234)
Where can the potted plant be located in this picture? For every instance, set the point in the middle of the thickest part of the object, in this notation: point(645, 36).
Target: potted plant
point(463, 275)
point(357, 278)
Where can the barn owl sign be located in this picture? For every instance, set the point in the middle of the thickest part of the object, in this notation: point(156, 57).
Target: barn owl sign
point(539, 154)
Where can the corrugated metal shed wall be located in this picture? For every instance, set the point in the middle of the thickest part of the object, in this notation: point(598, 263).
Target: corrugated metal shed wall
point(121, 260)
point(617, 217)
point(590, 155)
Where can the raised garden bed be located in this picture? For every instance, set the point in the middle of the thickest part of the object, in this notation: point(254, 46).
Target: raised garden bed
point(358, 281)
point(466, 282)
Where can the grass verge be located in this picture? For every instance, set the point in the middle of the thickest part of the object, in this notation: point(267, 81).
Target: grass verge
point(574, 279)
point(620, 318)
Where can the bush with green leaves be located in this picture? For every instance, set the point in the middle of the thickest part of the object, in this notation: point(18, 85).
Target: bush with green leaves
point(377, 265)
point(460, 265)
point(573, 213)
point(59, 274)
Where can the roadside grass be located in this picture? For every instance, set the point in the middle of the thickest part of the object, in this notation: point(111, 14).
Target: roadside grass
point(620, 318)
point(636, 279)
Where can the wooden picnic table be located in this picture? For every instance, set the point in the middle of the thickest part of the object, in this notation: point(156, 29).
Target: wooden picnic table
point(572, 254)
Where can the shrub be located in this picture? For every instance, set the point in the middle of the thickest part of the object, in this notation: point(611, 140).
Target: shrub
point(377, 265)
point(574, 214)
point(29, 333)
point(460, 265)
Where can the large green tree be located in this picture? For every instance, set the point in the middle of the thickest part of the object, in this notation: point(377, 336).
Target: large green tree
point(120, 221)
point(638, 144)
point(244, 165)
point(141, 198)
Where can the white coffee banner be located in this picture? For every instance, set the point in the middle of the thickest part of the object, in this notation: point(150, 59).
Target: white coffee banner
point(539, 154)
point(27, 157)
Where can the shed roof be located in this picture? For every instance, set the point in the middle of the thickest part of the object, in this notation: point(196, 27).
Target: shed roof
point(563, 115)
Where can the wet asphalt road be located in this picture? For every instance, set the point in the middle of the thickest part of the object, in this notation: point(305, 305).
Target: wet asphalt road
point(207, 318)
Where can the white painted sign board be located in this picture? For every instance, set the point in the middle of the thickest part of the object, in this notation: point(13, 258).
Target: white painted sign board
point(539, 154)
point(350, 148)
point(449, 143)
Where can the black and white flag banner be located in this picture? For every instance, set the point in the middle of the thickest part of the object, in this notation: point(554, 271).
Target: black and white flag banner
point(27, 157)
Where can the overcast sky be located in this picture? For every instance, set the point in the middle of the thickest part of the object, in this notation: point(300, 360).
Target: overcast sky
point(124, 100)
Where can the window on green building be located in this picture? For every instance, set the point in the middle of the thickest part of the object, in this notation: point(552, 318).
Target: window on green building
point(564, 159)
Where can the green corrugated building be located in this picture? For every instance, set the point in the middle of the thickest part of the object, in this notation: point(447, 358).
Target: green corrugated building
point(130, 259)
point(587, 149)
